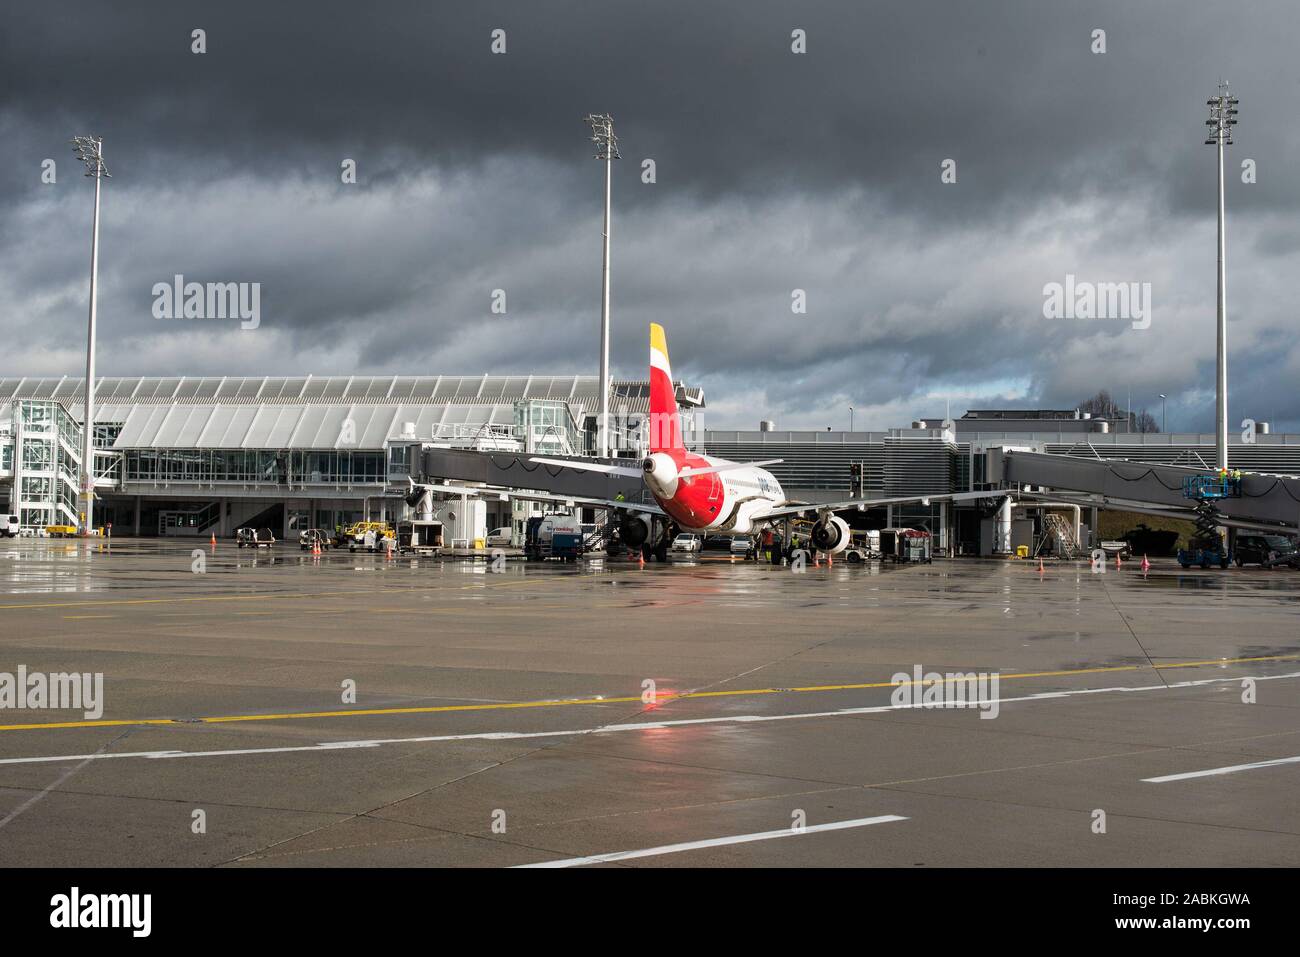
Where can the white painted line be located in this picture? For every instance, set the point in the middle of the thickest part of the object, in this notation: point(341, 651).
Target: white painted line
point(36, 798)
point(348, 745)
point(1228, 770)
point(715, 842)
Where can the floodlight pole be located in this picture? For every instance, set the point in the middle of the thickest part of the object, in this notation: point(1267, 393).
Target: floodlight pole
point(602, 134)
point(90, 149)
point(1223, 110)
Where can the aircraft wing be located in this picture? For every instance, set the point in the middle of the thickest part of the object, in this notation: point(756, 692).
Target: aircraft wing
point(812, 508)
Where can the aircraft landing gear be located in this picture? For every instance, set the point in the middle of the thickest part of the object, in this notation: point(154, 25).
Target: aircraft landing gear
point(659, 550)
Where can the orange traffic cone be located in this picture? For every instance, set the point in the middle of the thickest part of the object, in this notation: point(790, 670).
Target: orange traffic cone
point(214, 541)
point(1146, 564)
point(1118, 563)
point(1041, 569)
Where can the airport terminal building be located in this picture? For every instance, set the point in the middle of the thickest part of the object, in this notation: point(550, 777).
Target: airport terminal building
point(197, 456)
point(207, 455)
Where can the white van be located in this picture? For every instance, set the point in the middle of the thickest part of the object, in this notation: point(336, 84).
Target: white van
point(500, 537)
point(8, 525)
point(685, 544)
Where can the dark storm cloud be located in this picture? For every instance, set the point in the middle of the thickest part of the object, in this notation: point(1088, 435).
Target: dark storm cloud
point(775, 172)
point(885, 92)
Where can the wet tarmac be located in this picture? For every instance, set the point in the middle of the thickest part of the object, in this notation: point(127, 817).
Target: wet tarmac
point(695, 713)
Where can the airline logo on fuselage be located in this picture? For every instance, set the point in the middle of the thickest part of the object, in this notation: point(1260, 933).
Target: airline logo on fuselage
point(754, 482)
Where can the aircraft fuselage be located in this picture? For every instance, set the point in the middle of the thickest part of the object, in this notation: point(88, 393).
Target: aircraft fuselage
point(716, 502)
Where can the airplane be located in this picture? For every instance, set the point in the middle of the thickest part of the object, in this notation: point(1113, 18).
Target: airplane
point(699, 494)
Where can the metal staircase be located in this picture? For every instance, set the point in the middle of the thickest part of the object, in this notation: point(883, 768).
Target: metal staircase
point(598, 538)
point(1055, 527)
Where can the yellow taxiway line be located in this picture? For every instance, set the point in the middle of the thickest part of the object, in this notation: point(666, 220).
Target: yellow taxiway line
point(564, 702)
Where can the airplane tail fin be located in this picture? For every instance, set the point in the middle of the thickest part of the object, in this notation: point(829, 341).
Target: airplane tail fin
point(665, 423)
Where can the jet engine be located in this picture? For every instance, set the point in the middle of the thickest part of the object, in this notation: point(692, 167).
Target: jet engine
point(661, 474)
point(830, 534)
point(635, 528)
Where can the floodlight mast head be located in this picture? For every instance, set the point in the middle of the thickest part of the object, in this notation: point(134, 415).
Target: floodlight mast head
point(90, 150)
point(602, 134)
point(1223, 116)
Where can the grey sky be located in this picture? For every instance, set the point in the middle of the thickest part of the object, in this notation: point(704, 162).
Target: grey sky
point(775, 171)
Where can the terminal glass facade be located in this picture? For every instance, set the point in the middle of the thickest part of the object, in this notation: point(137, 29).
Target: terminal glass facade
point(334, 467)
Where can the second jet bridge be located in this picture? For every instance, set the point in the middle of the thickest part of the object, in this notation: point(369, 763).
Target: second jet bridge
point(1265, 501)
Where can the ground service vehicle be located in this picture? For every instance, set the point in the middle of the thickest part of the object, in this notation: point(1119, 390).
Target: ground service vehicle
point(553, 536)
point(347, 534)
point(311, 537)
point(862, 547)
point(1117, 548)
point(741, 545)
point(61, 531)
point(354, 536)
point(9, 525)
point(1266, 550)
point(254, 537)
point(1207, 546)
point(905, 545)
point(419, 537)
point(500, 537)
point(1206, 556)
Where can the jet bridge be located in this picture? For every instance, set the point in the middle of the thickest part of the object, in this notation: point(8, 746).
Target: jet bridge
point(514, 470)
point(1265, 501)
